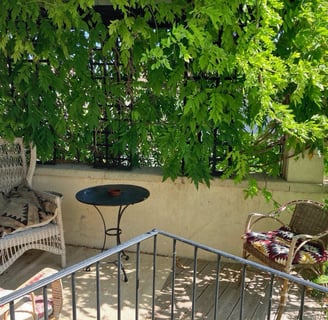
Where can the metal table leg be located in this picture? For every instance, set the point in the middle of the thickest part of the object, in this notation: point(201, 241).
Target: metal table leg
point(114, 232)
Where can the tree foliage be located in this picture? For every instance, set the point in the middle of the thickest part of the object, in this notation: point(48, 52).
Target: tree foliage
point(244, 81)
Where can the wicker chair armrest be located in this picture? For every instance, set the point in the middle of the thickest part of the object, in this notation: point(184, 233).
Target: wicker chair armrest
point(57, 301)
point(55, 198)
point(6, 315)
point(321, 235)
point(48, 195)
point(32, 165)
point(55, 287)
point(4, 309)
point(294, 247)
point(255, 217)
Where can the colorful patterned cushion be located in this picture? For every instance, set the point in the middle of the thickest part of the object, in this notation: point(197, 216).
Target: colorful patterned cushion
point(275, 245)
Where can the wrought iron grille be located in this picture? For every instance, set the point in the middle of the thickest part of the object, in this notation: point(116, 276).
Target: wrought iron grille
point(115, 115)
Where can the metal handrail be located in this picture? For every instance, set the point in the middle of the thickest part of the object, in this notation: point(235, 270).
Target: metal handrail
point(136, 241)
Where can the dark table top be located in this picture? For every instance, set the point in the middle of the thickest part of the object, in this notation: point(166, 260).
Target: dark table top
point(112, 195)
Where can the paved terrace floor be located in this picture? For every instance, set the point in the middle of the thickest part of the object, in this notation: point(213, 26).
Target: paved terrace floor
point(229, 294)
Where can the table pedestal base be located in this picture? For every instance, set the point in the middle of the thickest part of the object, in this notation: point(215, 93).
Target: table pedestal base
point(114, 232)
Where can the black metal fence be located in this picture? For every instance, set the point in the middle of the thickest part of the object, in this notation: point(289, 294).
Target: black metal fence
point(186, 291)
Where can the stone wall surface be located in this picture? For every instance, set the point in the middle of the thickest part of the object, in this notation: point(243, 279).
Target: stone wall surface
point(212, 216)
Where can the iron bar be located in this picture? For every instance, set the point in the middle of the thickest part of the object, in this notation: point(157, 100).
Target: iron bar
point(45, 304)
point(301, 312)
point(12, 310)
point(119, 302)
point(73, 296)
point(194, 284)
point(137, 281)
point(154, 277)
point(98, 288)
point(270, 295)
point(242, 291)
point(174, 262)
point(217, 287)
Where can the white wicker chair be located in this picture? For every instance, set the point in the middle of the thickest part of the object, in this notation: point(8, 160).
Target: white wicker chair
point(17, 165)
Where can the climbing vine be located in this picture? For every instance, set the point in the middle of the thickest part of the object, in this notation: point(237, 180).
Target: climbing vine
point(239, 81)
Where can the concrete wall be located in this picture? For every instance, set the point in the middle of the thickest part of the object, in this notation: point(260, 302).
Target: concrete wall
point(213, 216)
point(305, 168)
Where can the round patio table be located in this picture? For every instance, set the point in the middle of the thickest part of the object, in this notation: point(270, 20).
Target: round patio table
point(119, 195)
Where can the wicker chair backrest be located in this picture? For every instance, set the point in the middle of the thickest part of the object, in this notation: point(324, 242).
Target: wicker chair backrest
point(13, 165)
point(309, 218)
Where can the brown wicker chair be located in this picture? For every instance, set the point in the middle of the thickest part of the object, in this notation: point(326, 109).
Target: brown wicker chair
point(308, 227)
point(31, 307)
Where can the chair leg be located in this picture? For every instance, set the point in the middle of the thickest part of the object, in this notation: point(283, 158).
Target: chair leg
point(57, 298)
point(63, 259)
point(283, 299)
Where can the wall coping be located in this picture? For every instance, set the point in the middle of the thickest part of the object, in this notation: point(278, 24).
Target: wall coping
point(155, 175)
